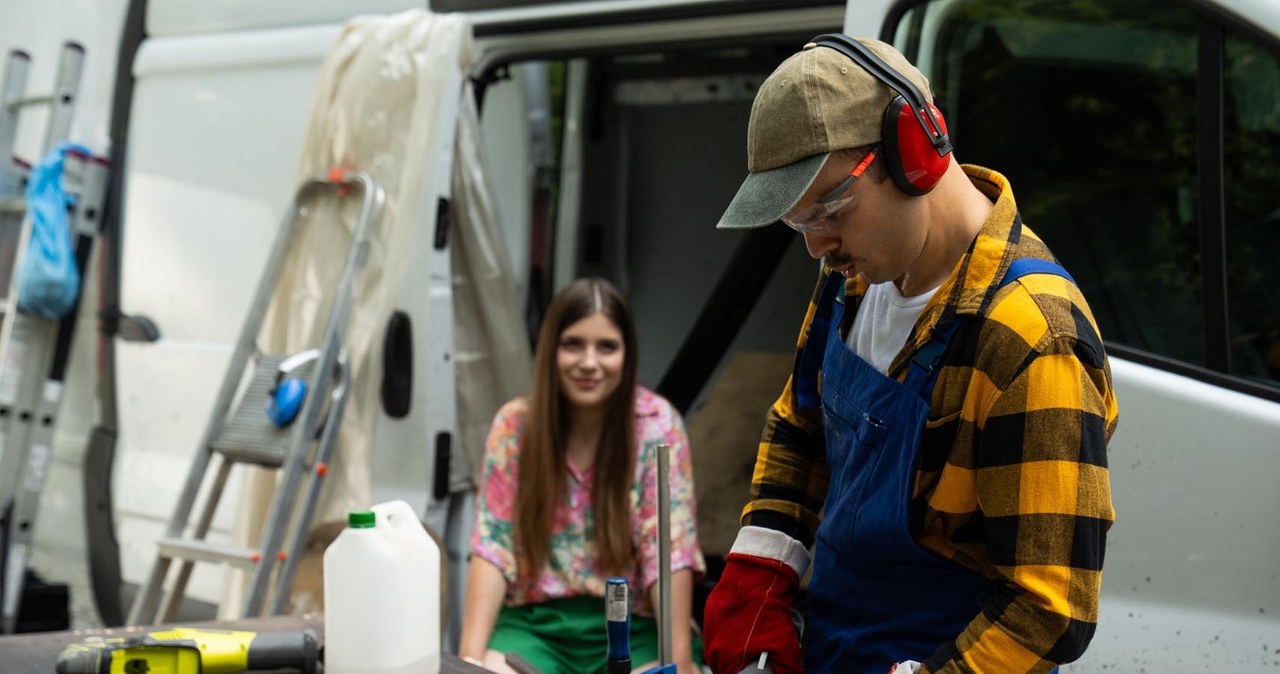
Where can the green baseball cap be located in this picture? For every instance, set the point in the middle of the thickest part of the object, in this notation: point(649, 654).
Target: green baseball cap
point(815, 102)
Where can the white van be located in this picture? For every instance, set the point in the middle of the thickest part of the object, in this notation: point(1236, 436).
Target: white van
point(1142, 138)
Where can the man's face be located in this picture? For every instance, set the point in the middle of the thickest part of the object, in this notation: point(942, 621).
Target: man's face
point(869, 229)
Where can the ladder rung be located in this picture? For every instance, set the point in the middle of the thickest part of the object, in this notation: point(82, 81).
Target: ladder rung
point(19, 204)
point(269, 457)
point(42, 99)
point(206, 551)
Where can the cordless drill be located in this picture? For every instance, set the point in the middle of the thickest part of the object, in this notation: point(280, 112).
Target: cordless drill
point(187, 650)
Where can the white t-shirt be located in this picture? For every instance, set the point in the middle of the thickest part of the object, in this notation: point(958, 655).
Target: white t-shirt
point(884, 322)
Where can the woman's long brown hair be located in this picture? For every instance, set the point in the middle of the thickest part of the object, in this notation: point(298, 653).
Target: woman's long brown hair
point(543, 463)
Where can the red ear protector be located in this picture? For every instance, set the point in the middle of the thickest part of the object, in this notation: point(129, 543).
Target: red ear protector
point(913, 135)
point(287, 393)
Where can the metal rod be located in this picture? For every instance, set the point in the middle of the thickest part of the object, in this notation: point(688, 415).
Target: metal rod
point(664, 555)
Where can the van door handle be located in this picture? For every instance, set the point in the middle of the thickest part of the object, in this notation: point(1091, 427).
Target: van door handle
point(136, 328)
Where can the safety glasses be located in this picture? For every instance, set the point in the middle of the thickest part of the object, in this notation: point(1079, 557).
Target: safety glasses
point(823, 213)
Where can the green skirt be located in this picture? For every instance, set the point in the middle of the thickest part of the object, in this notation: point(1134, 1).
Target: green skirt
point(567, 636)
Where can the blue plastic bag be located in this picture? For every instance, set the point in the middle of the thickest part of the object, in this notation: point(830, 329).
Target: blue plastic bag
point(49, 281)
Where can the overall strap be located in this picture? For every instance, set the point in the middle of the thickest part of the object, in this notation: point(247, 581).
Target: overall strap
point(1030, 265)
point(922, 369)
point(815, 347)
point(924, 365)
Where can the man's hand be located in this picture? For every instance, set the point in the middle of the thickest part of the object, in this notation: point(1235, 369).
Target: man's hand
point(749, 610)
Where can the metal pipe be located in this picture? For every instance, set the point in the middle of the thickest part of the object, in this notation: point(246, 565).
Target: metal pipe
point(664, 555)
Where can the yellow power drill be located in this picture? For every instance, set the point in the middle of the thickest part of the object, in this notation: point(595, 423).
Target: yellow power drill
point(186, 650)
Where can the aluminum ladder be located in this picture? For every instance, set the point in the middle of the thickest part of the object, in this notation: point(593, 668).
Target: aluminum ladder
point(240, 432)
point(34, 351)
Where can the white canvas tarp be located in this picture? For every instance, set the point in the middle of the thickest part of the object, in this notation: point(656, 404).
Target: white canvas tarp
point(382, 95)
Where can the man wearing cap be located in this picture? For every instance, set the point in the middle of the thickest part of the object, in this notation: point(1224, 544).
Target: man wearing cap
point(940, 446)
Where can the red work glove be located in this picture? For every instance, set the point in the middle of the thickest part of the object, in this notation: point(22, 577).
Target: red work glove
point(749, 610)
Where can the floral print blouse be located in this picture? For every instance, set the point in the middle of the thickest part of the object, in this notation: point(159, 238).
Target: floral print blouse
point(572, 568)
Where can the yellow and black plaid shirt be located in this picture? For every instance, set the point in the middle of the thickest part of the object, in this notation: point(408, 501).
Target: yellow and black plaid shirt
point(1012, 480)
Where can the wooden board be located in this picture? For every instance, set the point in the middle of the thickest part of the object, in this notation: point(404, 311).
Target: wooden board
point(724, 433)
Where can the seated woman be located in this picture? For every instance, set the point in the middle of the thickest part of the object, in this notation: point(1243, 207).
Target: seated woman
point(569, 498)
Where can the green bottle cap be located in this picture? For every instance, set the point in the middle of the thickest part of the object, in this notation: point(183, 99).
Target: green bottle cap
point(361, 519)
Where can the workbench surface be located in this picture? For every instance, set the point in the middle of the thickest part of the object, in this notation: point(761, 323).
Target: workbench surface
point(37, 652)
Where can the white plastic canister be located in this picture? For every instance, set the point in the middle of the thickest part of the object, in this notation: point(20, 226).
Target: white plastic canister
point(382, 595)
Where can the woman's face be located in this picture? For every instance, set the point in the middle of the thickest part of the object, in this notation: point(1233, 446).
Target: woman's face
point(590, 357)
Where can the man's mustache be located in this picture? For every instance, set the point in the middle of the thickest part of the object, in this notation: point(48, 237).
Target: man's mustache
point(836, 261)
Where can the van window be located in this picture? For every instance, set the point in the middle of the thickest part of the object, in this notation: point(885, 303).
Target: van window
point(1089, 108)
point(1251, 164)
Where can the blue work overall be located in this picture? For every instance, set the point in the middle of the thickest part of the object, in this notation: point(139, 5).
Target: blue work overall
point(876, 597)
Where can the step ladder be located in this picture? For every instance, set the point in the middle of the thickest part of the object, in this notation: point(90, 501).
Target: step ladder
point(34, 351)
point(240, 431)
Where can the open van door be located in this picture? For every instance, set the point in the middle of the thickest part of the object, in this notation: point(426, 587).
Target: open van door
point(1142, 141)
